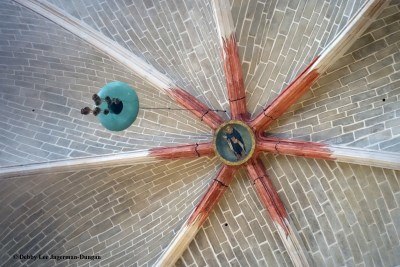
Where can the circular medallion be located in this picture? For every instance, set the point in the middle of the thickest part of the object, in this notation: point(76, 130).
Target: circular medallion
point(234, 142)
point(122, 106)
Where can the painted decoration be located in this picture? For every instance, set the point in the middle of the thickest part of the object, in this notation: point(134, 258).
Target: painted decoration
point(122, 105)
point(234, 142)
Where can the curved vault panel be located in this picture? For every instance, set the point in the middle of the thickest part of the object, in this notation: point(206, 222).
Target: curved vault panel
point(178, 38)
point(356, 102)
point(49, 75)
point(108, 210)
point(278, 39)
point(125, 214)
point(346, 215)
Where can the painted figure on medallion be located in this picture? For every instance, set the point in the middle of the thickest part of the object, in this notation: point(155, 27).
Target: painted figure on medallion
point(235, 141)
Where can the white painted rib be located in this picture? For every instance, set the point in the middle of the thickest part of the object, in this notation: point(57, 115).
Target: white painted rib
point(223, 17)
point(360, 156)
point(140, 156)
point(294, 245)
point(179, 244)
point(349, 34)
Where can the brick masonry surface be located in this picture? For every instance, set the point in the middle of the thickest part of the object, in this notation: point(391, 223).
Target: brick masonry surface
point(346, 215)
point(177, 37)
point(357, 101)
point(278, 38)
point(47, 75)
point(124, 214)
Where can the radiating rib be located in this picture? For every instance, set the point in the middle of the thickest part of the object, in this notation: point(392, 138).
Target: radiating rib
point(121, 159)
point(294, 148)
point(124, 56)
point(286, 98)
point(197, 218)
point(270, 198)
point(136, 157)
point(200, 110)
point(182, 151)
point(231, 60)
point(330, 54)
point(314, 150)
point(367, 157)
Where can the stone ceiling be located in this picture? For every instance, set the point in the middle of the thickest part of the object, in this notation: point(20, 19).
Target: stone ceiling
point(346, 214)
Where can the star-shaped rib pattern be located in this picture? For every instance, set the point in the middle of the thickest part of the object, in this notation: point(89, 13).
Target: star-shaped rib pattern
point(324, 199)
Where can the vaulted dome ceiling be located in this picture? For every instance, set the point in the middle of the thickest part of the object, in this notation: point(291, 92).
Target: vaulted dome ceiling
point(70, 187)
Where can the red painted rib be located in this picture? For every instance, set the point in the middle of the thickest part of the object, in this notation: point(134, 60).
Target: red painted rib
point(267, 193)
point(183, 151)
point(200, 110)
point(213, 194)
point(286, 99)
point(294, 148)
point(234, 78)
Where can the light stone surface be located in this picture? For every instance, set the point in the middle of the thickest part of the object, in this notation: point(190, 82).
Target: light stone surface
point(48, 75)
point(278, 39)
point(124, 214)
point(356, 102)
point(177, 37)
point(346, 215)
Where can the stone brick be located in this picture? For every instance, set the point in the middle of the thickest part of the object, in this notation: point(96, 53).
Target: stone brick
point(109, 233)
point(354, 76)
point(384, 31)
point(381, 73)
point(333, 76)
point(368, 114)
point(380, 64)
point(100, 228)
point(34, 217)
point(323, 135)
point(56, 149)
point(364, 62)
point(361, 42)
point(369, 49)
point(20, 200)
point(392, 18)
point(378, 119)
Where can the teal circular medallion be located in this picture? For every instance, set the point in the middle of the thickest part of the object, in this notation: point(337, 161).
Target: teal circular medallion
point(122, 106)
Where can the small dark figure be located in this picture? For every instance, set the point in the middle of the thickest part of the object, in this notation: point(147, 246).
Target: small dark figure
point(96, 111)
point(235, 142)
point(108, 100)
point(115, 106)
point(97, 100)
point(85, 111)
